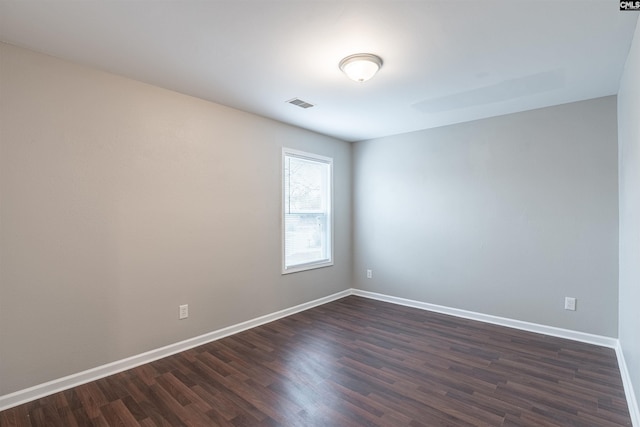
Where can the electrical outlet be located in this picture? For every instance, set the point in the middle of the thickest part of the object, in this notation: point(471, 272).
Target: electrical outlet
point(184, 311)
point(570, 303)
point(369, 274)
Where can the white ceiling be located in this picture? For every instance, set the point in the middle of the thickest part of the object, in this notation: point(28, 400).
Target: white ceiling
point(445, 61)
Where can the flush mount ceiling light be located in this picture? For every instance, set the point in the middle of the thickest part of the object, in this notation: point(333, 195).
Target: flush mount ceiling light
point(361, 66)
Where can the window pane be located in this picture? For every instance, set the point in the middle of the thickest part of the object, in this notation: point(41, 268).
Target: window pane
point(307, 211)
point(305, 192)
point(304, 238)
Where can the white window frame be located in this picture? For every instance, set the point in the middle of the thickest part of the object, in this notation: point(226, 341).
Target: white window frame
point(329, 235)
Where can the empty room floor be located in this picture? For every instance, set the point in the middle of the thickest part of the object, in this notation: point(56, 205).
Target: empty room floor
point(355, 362)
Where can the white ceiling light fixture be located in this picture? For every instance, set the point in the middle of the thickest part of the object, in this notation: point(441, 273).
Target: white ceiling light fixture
point(361, 66)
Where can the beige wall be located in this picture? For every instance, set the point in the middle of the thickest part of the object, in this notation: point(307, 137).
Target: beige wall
point(629, 173)
point(119, 201)
point(503, 216)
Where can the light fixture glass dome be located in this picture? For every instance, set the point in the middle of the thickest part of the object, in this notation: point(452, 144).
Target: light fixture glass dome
point(361, 66)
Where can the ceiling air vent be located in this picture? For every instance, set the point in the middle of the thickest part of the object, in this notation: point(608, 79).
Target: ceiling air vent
point(300, 103)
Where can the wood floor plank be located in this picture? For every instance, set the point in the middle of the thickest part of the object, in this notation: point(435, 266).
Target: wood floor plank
point(355, 362)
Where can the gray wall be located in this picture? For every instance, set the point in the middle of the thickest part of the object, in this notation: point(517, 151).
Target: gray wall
point(119, 201)
point(504, 216)
point(629, 176)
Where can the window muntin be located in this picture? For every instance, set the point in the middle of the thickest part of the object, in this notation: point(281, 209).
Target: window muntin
point(307, 221)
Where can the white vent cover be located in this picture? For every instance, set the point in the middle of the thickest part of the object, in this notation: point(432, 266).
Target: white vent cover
point(300, 103)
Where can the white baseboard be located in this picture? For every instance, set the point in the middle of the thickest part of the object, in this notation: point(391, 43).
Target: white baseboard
point(74, 380)
point(487, 318)
point(632, 403)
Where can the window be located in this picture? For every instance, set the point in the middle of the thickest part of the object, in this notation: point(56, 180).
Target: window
point(307, 221)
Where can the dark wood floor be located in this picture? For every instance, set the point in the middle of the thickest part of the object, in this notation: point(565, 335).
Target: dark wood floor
point(355, 362)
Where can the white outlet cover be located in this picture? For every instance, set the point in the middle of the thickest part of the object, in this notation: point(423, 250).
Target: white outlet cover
point(184, 311)
point(570, 303)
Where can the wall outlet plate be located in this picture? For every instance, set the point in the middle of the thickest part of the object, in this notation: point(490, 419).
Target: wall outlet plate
point(570, 303)
point(184, 311)
point(369, 274)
